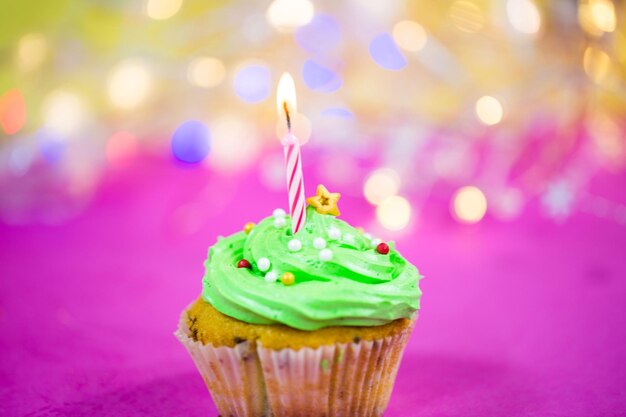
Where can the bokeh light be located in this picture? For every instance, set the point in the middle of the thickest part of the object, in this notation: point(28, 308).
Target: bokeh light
point(252, 83)
point(410, 35)
point(162, 9)
point(12, 111)
point(394, 213)
point(51, 144)
point(320, 36)
point(31, 52)
point(381, 184)
point(129, 85)
point(586, 21)
point(558, 199)
point(64, 112)
point(286, 15)
point(489, 110)
point(319, 78)
point(191, 142)
point(206, 72)
point(469, 204)
point(596, 64)
point(524, 16)
point(385, 53)
point(603, 14)
point(466, 16)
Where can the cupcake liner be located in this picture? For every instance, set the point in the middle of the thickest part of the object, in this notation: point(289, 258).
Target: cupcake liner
point(232, 374)
point(344, 379)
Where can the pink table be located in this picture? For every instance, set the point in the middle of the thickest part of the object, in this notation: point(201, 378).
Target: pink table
point(519, 319)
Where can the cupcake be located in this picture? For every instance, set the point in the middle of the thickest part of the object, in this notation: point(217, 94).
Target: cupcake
point(311, 324)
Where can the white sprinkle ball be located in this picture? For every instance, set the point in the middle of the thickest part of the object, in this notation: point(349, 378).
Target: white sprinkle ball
point(263, 264)
point(334, 233)
point(326, 255)
point(279, 213)
point(279, 222)
point(271, 276)
point(367, 236)
point(349, 238)
point(376, 242)
point(294, 245)
point(319, 243)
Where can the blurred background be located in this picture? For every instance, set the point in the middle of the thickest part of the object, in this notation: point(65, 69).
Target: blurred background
point(486, 137)
point(488, 106)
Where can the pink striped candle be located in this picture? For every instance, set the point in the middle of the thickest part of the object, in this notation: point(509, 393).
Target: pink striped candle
point(286, 101)
point(295, 182)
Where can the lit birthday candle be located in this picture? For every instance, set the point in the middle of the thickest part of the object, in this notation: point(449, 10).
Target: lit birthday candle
point(287, 109)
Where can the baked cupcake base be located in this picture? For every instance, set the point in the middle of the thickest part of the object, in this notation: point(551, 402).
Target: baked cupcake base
point(273, 370)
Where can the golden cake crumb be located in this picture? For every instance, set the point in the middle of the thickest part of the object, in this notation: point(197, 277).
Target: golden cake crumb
point(208, 325)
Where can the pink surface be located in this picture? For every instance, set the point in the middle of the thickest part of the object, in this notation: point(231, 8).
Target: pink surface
point(519, 319)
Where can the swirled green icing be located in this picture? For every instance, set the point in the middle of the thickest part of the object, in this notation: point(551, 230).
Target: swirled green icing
point(357, 287)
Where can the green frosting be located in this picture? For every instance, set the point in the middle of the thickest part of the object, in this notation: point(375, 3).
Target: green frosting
point(356, 287)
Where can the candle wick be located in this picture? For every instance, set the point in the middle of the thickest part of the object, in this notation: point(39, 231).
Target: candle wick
point(287, 115)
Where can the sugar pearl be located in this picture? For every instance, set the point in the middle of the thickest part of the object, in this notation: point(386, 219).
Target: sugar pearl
point(326, 255)
point(279, 222)
point(382, 248)
point(263, 264)
point(271, 276)
point(334, 233)
point(367, 236)
point(244, 264)
point(279, 213)
point(376, 242)
point(349, 238)
point(319, 243)
point(294, 245)
point(288, 278)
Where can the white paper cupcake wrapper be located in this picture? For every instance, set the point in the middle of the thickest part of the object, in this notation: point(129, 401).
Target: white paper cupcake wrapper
point(340, 380)
point(345, 379)
point(232, 374)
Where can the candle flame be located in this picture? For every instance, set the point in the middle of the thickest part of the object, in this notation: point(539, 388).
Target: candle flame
point(286, 99)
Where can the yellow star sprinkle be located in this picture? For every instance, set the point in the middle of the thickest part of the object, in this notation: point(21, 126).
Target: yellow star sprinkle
point(324, 201)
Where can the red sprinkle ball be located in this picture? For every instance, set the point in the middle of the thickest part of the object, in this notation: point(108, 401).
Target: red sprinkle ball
point(382, 248)
point(244, 264)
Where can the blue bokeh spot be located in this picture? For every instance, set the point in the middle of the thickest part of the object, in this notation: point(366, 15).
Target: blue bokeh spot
point(51, 145)
point(320, 36)
point(385, 53)
point(319, 78)
point(191, 142)
point(252, 83)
